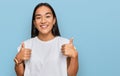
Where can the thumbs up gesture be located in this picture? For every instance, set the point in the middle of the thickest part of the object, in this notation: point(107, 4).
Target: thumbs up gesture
point(24, 53)
point(69, 49)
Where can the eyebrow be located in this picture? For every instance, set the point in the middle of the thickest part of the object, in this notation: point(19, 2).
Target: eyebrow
point(45, 14)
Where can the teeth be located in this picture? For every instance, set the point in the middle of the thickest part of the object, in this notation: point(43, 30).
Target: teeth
point(43, 26)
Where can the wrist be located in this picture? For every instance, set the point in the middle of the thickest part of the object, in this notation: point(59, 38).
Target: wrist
point(75, 54)
point(18, 61)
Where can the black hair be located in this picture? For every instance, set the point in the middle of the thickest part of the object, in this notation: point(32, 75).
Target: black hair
point(55, 29)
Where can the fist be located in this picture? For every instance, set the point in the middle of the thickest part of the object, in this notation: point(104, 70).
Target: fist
point(69, 49)
point(24, 53)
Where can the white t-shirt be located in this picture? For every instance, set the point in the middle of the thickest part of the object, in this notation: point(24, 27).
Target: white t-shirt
point(46, 57)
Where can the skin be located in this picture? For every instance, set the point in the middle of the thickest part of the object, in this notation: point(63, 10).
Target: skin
point(72, 60)
point(44, 22)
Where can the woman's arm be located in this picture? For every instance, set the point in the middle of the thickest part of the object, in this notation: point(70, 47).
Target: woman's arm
point(19, 69)
point(72, 61)
point(72, 65)
point(23, 54)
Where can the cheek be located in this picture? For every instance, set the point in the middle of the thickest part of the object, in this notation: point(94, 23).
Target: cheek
point(36, 23)
point(51, 22)
point(51, 25)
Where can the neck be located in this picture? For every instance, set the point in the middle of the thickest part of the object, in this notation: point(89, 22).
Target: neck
point(45, 37)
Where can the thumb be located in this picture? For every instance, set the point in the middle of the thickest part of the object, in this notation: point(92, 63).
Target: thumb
point(71, 41)
point(23, 45)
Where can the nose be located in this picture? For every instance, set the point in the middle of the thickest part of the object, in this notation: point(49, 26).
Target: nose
point(43, 20)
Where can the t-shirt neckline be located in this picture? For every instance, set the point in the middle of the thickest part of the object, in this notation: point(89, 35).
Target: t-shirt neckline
point(49, 41)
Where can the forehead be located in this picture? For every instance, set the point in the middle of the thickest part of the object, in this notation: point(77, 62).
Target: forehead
point(43, 10)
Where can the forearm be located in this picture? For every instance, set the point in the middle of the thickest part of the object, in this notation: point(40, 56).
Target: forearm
point(73, 66)
point(19, 69)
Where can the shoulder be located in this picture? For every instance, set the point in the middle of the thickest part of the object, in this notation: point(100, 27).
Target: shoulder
point(63, 40)
point(28, 43)
point(30, 40)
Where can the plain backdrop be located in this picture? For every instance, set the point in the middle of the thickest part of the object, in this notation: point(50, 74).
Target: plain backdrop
point(94, 24)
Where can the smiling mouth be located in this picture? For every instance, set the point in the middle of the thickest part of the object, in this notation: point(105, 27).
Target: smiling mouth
point(43, 26)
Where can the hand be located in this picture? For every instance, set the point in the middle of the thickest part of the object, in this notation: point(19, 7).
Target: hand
point(24, 53)
point(69, 49)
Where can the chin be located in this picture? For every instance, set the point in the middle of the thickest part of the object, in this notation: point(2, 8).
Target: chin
point(45, 32)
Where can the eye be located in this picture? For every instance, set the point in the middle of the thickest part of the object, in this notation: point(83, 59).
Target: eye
point(37, 17)
point(48, 16)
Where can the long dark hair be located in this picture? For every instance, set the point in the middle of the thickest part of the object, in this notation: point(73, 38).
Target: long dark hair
point(55, 29)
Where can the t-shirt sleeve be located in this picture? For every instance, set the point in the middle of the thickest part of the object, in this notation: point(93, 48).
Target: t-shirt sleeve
point(27, 43)
point(63, 41)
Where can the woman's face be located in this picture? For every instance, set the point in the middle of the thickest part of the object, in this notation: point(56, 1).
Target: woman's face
point(44, 20)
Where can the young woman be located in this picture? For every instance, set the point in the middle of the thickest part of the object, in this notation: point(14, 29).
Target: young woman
point(46, 53)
